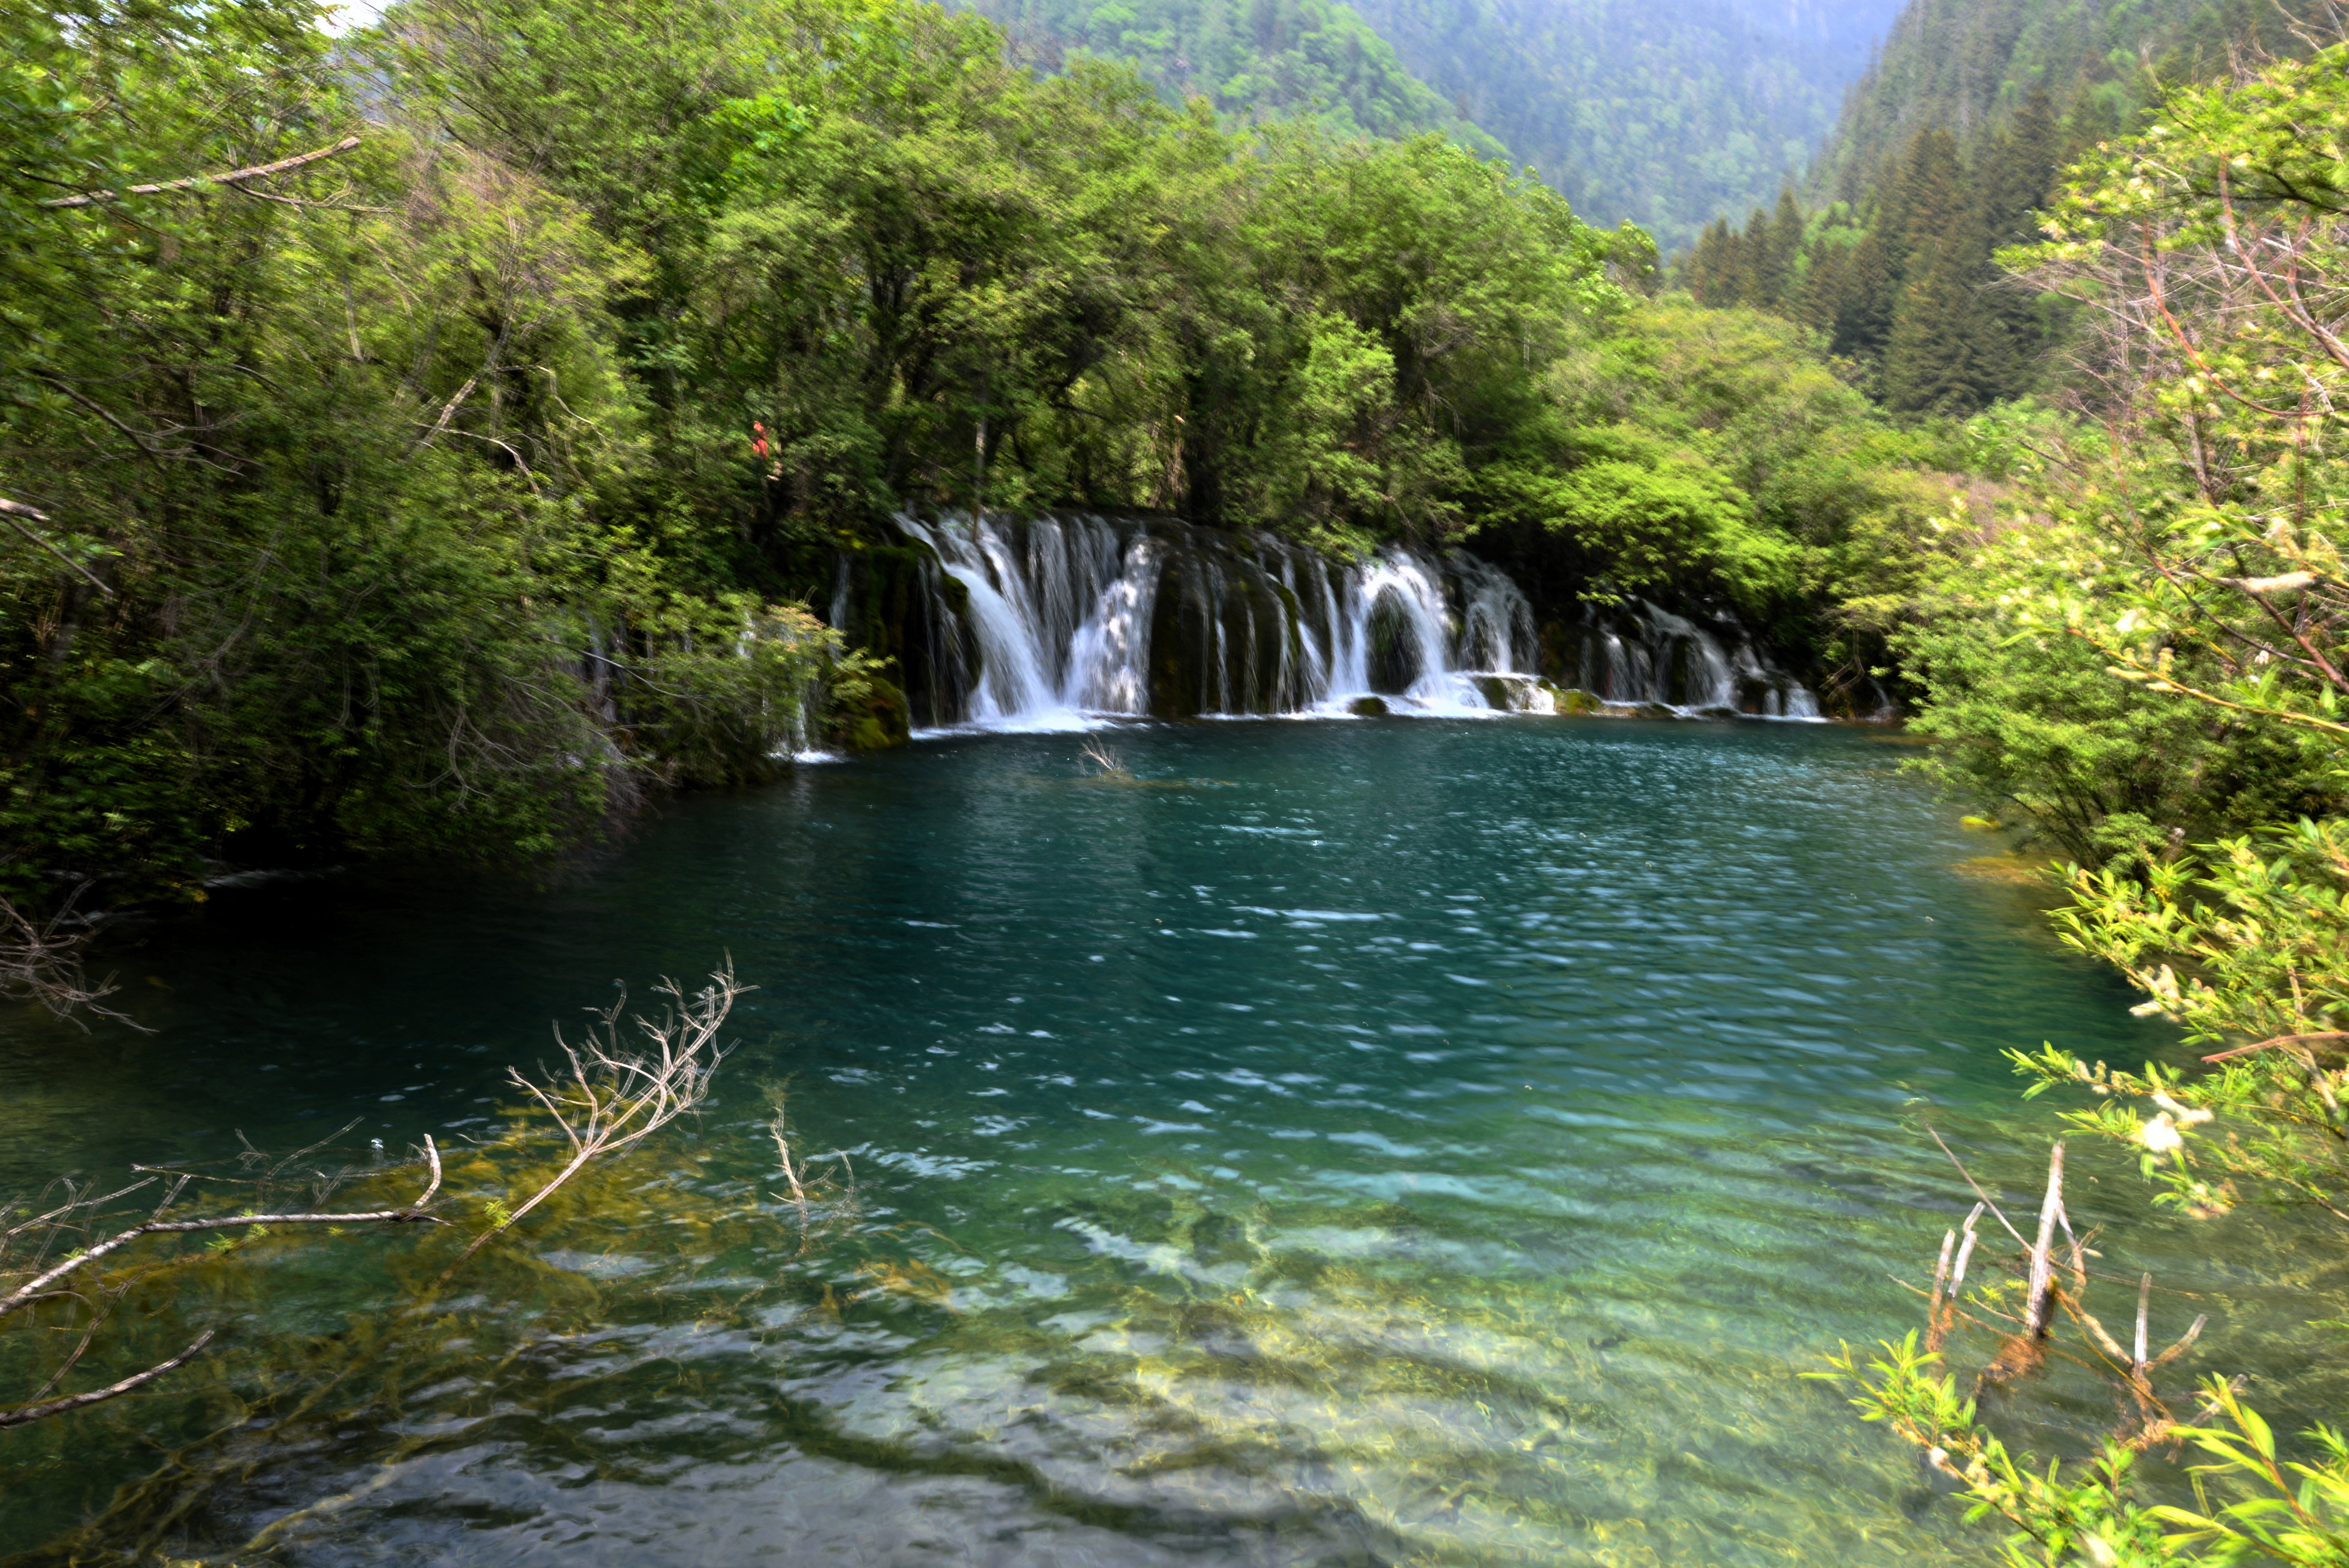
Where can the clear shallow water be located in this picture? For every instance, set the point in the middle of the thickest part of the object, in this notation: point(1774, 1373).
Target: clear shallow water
point(1347, 1144)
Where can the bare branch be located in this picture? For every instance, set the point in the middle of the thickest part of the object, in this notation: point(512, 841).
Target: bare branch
point(2321, 1034)
point(614, 1096)
point(2039, 1304)
point(22, 1295)
point(16, 512)
point(256, 172)
point(30, 1413)
point(41, 963)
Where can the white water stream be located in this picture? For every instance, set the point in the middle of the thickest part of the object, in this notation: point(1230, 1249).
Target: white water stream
point(1072, 620)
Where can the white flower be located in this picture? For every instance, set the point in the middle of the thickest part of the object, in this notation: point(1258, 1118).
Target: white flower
point(2159, 1136)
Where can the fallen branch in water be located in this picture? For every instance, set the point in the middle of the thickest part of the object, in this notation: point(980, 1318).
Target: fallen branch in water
point(25, 1415)
point(613, 1095)
point(40, 962)
point(31, 1291)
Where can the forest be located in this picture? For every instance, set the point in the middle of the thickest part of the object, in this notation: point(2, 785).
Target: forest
point(397, 500)
point(442, 442)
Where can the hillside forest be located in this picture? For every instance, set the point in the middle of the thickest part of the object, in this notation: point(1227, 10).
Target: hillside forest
point(1657, 115)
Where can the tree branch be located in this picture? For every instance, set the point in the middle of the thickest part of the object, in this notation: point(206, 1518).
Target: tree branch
point(31, 1413)
point(256, 172)
point(414, 1213)
point(15, 511)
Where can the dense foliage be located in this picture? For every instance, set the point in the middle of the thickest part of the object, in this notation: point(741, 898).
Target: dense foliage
point(2142, 659)
point(420, 440)
point(1659, 116)
point(1969, 67)
point(1946, 152)
point(1901, 286)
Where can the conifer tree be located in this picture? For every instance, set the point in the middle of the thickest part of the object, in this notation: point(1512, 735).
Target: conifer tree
point(1755, 277)
point(1711, 272)
point(2021, 171)
point(1818, 300)
point(1863, 313)
point(1950, 350)
point(1774, 257)
point(1930, 196)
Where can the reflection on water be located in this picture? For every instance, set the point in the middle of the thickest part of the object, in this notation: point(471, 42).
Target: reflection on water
point(1371, 1143)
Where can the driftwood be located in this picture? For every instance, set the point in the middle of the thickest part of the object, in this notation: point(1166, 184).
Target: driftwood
point(41, 961)
point(58, 1282)
point(612, 1096)
point(35, 1288)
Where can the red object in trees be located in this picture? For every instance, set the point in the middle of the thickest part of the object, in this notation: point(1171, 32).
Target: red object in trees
point(758, 440)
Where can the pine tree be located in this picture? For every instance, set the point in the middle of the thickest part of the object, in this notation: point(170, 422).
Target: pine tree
point(1774, 258)
point(1950, 350)
point(2012, 180)
point(1819, 297)
point(1864, 313)
point(2021, 170)
point(1711, 272)
point(1931, 196)
point(1754, 259)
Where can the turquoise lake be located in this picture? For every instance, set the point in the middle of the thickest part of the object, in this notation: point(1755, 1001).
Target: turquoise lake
point(1326, 1144)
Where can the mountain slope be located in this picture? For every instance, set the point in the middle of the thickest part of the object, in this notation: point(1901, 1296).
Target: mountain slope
point(1259, 59)
point(1967, 65)
point(1662, 114)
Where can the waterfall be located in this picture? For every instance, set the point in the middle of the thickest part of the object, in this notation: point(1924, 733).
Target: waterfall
point(1056, 623)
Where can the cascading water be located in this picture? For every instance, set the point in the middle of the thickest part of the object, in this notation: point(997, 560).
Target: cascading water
point(1054, 622)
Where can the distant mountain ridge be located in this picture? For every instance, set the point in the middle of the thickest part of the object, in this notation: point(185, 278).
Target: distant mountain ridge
point(1664, 115)
point(1660, 116)
point(1967, 67)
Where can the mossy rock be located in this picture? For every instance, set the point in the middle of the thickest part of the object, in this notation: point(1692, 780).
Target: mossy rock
point(874, 720)
point(1393, 653)
point(1573, 700)
point(1369, 708)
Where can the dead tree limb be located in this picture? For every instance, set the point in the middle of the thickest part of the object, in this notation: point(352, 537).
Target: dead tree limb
point(31, 1290)
point(16, 511)
point(193, 181)
point(610, 1096)
point(2039, 1303)
point(40, 962)
point(27, 1414)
